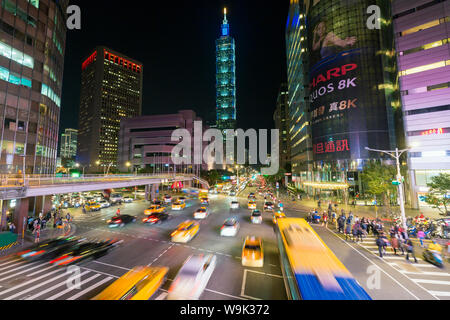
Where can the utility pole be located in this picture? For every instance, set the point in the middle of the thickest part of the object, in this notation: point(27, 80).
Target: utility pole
point(396, 155)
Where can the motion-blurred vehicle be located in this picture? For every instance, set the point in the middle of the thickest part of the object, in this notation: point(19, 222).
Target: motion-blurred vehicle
point(48, 249)
point(140, 283)
point(128, 199)
point(156, 218)
point(252, 205)
point(91, 205)
point(433, 257)
point(121, 221)
point(116, 198)
point(204, 201)
point(232, 193)
point(192, 278)
point(251, 196)
point(157, 202)
point(234, 204)
point(155, 208)
point(268, 206)
point(212, 191)
point(98, 197)
point(230, 228)
point(256, 217)
point(167, 198)
point(178, 205)
point(252, 253)
point(85, 250)
point(201, 213)
point(104, 204)
point(443, 228)
point(278, 215)
point(185, 232)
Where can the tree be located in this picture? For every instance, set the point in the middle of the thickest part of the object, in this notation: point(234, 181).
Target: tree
point(276, 177)
point(211, 176)
point(439, 194)
point(377, 179)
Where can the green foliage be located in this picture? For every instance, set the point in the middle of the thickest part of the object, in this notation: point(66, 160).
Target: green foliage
point(377, 179)
point(211, 176)
point(277, 177)
point(439, 192)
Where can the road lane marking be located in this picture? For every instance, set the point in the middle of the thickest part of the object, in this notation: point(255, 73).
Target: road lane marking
point(439, 274)
point(88, 289)
point(244, 279)
point(29, 282)
point(441, 293)
point(225, 294)
point(377, 266)
point(4, 264)
point(18, 263)
point(104, 273)
point(111, 265)
point(162, 296)
point(446, 283)
point(52, 288)
point(16, 269)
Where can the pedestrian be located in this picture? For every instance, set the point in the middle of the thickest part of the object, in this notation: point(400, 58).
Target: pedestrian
point(380, 244)
point(68, 217)
point(341, 224)
point(410, 250)
point(12, 228)
point(421, 236)
point(37, 233)
point(359, 233)
point(395, 243)
point(118, 212)
point(319, 203)
point(325, 220)
point(348, 231)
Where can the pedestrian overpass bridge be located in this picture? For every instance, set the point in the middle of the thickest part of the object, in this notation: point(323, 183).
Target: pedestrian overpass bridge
point(45, 185)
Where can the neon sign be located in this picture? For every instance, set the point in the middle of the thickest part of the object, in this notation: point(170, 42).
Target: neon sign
point(89, 60)
point(432, 131)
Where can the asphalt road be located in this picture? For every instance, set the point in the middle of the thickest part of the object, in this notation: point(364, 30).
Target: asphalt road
point(150, 245)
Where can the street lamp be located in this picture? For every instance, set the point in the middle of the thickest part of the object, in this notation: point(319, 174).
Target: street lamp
point(109, 166)
point(128, 164)
point(396, 155)
point(78, 165)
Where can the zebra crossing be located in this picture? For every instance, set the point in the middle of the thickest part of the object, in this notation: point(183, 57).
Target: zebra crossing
point(22, 280)
point(432, 279)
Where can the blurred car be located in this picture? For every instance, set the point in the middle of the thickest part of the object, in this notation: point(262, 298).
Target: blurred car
point(268, 206)
point(234, 204)
point(232, 193)
point(48, 249)
point(83, 251)
point(204, 201)
point(230, 228)
point(252, 253)
point(252, 205)
point(178, 205)
point(157, 202)
point(443, 228)
point(278, 215)
point(121, 220)
point(128, 199)
point(98, 197)
point(156, 208)
point(157, 217)
point(182, 199)
point(104, 204)
point(192, 278)
point(201, 213)
point(256, 217)
point(92, 206)
point(185, 232)
point(167, 198)
point(251, 196)
point(140, 283)
point(115, 198)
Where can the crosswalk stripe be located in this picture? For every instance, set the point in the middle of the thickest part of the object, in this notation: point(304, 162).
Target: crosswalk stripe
point(18, 268)
point(52, 288)
point(399, 258)
point(23, 271)
point(40, 284)
point(440, 293)
point(162, 296)
point(10, 266)
point(4, 264)
point(60, 294)
point(447, 283)
point(98, 284)
point(30, 281)
point(426, 273)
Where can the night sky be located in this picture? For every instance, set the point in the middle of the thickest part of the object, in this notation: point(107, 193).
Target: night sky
point(175, 40)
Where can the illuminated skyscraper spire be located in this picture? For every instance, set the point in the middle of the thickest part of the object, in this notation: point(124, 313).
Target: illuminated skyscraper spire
point(225, 25)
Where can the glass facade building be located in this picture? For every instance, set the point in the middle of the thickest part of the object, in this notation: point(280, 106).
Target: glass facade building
point(111, 90)
point(32, 45)
point(225, 78)
point(69, 144)
point(281, 118)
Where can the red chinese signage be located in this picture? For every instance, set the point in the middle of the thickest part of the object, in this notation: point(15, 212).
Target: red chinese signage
point(331, 147)
point(433, 131)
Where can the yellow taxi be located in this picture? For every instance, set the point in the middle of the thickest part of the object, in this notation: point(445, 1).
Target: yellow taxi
point(252, 205)
point(252, 253)
point(178, 205)
point(92, 206)
point(140, 283)
point(278, 215)
point(185, 232)
point(156, 208)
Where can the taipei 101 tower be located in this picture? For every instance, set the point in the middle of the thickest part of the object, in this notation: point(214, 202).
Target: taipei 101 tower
point(225, 78)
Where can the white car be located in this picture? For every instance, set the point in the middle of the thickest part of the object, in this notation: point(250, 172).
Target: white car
point(104, 204)
point(234, 205)
point(201, 213)
point(116, 198)
point(256, 217)
point(230, 228)
point(128, 199)
point(192, 278)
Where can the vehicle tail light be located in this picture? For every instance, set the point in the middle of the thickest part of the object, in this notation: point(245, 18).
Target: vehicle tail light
point(59, 259)
point(37, 253)
point(173, 233)
point(145, 220)
point(118, 221)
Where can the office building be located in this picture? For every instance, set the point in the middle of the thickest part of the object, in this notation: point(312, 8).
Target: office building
point(422, 34)
point(281, 118)
point(111, 90)
point(32, 47)
point(225, 78)
point(69, 144)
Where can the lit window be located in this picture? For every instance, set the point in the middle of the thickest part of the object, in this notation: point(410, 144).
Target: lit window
point(427, 67)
